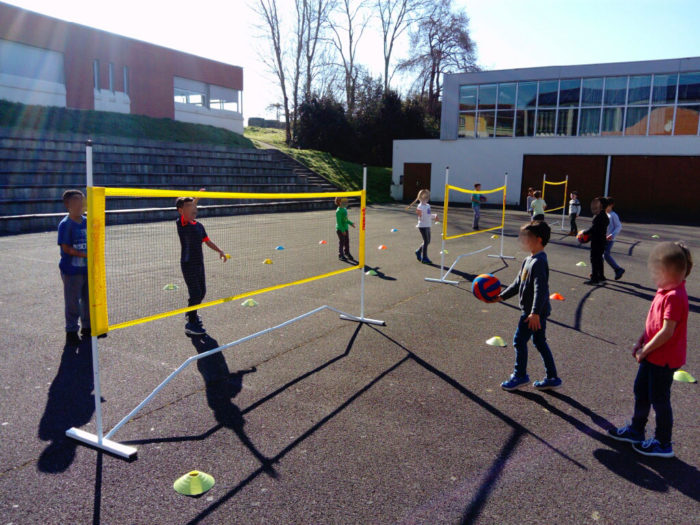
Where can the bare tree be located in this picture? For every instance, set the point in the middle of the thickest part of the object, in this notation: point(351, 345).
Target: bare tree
point(317, 18)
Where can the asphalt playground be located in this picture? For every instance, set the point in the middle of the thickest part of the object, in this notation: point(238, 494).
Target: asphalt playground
point(330, 422)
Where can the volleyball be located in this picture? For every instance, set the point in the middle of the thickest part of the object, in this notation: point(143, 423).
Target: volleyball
point(583, 237)
point(486, 287)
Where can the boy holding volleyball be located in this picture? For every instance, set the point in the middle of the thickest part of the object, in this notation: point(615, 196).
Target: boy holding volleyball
point(532, 286)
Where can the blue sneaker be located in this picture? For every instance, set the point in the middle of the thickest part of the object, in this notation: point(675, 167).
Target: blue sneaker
point(195, 329)
point(652, 447)
point(515, 382)
point(626, 433)
point(425, 260)
point(548, 383)
point(418, 254)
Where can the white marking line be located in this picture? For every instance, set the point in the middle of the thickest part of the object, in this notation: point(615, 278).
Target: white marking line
point(12, 254)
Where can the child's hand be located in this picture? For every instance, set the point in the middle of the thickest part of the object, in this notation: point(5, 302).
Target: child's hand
point(608, 237)
point(498, 299)
point(202, 189)
point(639, 355)
point(636, 348)
point(223, 256)
point(435, 218)
point(353, 225)
point(533, 322)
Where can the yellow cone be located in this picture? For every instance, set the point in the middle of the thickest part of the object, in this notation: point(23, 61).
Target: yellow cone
point(581, 263)
point(496, 341)
point(444, 251)
point(193, 483)
point(267, 261)
point(494, 236)
point(249, 302)
point(170, 287)
point(684, 377)
point(655, 236)
point(371, 272)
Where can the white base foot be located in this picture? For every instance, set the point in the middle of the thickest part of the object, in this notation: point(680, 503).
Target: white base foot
point(443, 281)
point(362, 320)
point(502, 256)
point(107, 444)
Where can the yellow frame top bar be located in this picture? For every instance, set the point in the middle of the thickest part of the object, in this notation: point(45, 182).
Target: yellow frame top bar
point(139, 192)
point(556, 183)
point(457, 188)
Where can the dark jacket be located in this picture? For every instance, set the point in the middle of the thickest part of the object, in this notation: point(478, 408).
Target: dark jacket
point(532, 284)
point(598, 230)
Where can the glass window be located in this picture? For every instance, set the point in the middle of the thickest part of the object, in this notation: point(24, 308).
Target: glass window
point(687, 118)
point(592, 92)
point(640, 87)
point(548, 94)
point(636, 120)
point(31, 62)
point(545, 122)
point(664, 89)
point(569, 92)
point(661, 120)
point(485, 124)
point(615, 90)
point(506, 96)
point(567, 122)
point(689, 88)
point(612, 121)
point(111, 77)
point(467, 97)
point(590, 122)
point(487, 96)
point(527, 95)
point(126, 80)
point(96, 74)
point(525, 123)
point(504, 123)
point(185, 96)
point(467, 123)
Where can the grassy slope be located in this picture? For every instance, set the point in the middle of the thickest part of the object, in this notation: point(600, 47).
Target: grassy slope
point(346, 175)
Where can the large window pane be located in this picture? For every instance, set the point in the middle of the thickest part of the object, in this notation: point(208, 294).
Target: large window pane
point(527, 95)
point(590, 122)
point(545, 122)
point(661, 120)
point(467, 125)
point(612, 121)
point(569, 92)
point(504, 123)
point(615, 89)
point(687, 120)
point(487, 96)
point(467, 97)
point(592, 92)
point(567, 122)
point(689, 88)
point(525, 123)
point(636, 120)
point(485, 124)
point(640, 87)
point(664, 89)
point(506, 96)
point(548, 94)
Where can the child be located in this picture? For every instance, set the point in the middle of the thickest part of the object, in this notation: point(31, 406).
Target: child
point(192, 235)
point(530, 198)
point(476, 205)
point(424, 218)
point(597, 233)
point(341, 228)
point(614, 227)
point(72, 238)
point(660, 351)
point(538, 206)
point(532, 286)
point(574, 211)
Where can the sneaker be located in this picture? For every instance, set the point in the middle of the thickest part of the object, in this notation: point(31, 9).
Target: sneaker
point(515, 382)
point(195, 329)
point(547, 383)
point(593, 282)
point(349, 257)
point(626, 433)
point(72, 339)
point(418, 256)
point(425, 260)
point(87, 334)
point(652, 447)
point(618, 273)
point(342, 258)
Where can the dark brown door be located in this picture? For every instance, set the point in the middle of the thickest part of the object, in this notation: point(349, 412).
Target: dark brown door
point(416, 176)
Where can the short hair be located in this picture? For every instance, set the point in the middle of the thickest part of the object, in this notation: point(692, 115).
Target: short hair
point(339, 200)
point(531, 189)
point(180, 201)
point(69, 194)
point(609, 201)
point(673, 255)
point(603, 202)
point(538, 194)
point(574, 193)
point(477, 184)
point(539, 229)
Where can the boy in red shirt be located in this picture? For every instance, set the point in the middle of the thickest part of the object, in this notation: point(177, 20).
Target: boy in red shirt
point(660, 351)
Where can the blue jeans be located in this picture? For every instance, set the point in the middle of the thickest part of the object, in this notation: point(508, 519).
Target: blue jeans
point(477, 216)
point(652, 388)
point(539, 338)
point(608, 258)
point(77, 301)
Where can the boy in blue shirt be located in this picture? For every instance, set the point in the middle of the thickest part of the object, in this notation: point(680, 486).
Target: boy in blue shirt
point(477, 199)
point(72, 238)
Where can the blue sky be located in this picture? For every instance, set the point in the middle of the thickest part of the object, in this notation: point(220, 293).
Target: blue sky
point(508, 33)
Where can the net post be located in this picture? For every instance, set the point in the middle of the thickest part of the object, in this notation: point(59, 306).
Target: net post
point(503, 218)
point(444, 223)
point(563, 210)
point(544, 184)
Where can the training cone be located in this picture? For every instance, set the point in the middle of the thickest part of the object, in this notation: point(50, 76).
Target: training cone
point(249, 302)
point(381, 247)
point(394, 230)
point(683, 377)
point(444, 251)
point(581, 263)
point(655, 236)
point(267, 261)
point(170, 286)
point(227, 255)
point(193, 483)
point(556, 297)
point(323, 242)
point(494, 236)
point(279, 248)
point(496, 341)
point(371, 272)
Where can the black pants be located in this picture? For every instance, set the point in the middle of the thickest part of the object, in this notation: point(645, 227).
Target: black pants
point(538, 217)
point(343, 243)
point(572, 218)
point(597, 270)
point(652, 387)
point(196, 285)
point(425, 233)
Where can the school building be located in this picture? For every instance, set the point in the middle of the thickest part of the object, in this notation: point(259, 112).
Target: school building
point(51, 62)
point(630, 130)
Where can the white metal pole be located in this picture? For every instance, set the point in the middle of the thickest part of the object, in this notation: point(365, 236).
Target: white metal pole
point(503, 219)
point(88, 163)
point(364, 248)
point(563, 211)
point(444, 211)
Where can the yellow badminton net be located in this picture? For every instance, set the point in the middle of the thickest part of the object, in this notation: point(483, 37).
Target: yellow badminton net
point(556, 194)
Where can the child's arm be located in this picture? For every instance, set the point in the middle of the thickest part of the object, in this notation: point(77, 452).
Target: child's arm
point(196, 199)
point(419, 213)
point(214, 247)
point(511, 290)
point(540, 296)
point(660, 338)
point(72, 251)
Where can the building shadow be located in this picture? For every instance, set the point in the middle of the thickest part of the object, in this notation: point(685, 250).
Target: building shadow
point(70, 403)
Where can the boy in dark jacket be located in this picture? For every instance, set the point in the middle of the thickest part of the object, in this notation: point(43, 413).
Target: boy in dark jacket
point(598, 232)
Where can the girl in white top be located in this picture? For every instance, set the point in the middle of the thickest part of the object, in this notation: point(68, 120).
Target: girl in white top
point(425, 219)
point(614, 227)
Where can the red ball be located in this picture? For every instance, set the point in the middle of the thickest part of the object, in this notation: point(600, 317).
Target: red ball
point(486, 287)
point(583, 237)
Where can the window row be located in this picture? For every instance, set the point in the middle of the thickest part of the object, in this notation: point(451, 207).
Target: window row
point(110, 75)
point(637, 120)
point(204, 95)
point(577, 92)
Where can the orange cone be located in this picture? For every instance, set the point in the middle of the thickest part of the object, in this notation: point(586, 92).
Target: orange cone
point(557, 297)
